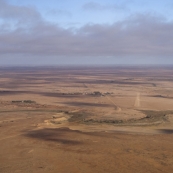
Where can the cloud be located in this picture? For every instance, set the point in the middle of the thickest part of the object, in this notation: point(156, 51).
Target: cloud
point(139, 35)
point(12, 14)
point(15, 12)
point(94, 6)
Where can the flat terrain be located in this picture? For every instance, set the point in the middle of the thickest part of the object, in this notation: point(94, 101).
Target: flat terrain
point(76, 119)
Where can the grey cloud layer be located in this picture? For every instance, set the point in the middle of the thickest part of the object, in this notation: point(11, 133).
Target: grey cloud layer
point(141, 35)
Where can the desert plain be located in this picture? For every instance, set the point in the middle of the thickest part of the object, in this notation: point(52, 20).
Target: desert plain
point(86, 119)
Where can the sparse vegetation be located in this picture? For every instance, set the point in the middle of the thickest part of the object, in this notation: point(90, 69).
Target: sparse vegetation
point(86, 115)
point(23, 101)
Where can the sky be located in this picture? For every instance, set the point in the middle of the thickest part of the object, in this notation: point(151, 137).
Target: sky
point(81, 32)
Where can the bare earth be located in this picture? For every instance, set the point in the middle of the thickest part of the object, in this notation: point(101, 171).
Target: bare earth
point(84, 120)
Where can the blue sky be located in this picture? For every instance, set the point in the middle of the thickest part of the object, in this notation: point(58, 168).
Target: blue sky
point(40, 32)
point(68, 13)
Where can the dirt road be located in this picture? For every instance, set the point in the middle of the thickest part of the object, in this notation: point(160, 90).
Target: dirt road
point(137, 101)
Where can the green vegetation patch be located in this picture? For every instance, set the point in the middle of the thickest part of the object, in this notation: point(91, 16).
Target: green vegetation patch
point(23, 101)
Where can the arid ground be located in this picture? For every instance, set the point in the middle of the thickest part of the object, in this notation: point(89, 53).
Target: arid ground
point(86, 120)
